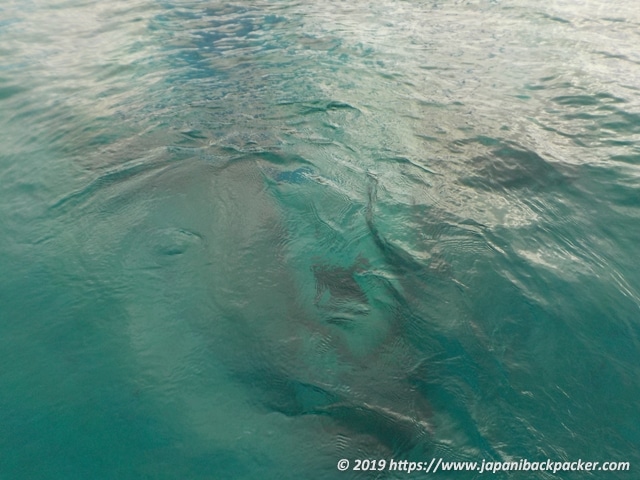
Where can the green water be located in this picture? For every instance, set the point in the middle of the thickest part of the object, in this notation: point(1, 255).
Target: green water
point(247, 240)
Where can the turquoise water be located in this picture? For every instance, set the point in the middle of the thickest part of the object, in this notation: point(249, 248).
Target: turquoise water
point(246, 240)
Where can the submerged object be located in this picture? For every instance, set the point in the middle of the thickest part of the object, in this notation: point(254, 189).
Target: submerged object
point(321, 343)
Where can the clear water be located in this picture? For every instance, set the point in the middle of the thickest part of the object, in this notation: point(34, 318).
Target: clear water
point(245, 240)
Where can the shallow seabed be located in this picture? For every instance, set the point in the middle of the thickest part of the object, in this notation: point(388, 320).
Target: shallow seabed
point(245, 240)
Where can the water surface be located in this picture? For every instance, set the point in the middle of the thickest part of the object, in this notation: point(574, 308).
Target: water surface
point(245, 240)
